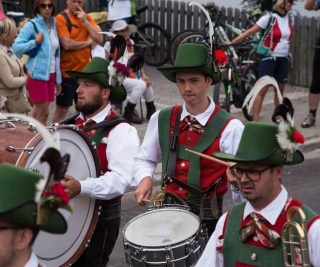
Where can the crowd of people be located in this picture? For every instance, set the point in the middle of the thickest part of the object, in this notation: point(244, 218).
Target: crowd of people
point(63, 69)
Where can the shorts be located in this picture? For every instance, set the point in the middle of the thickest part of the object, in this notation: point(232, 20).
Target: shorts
point(42, 91)
point(277, 67)
point(315, 84)
point(68, 93)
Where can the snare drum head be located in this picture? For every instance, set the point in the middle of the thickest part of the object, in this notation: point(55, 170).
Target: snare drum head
point(163, 227)
point(56, 250)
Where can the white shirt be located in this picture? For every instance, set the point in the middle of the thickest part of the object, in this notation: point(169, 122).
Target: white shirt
point(119, 9)
point(150, 153)
point(122, 145)
point(211, 257)
point(98, 51)
point(33, 261)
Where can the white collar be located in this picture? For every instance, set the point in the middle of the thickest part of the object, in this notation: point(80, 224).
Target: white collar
point(33, 261)
point(201, 118)
point(100, 116)
point(273, 210)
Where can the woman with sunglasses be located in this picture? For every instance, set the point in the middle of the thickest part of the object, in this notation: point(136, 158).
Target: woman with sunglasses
point(44, 67)
point(278, 32)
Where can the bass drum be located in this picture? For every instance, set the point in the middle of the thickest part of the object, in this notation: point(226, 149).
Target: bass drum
point(63, 250)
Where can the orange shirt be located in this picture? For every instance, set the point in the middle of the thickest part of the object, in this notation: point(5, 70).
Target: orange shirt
point(75, 60)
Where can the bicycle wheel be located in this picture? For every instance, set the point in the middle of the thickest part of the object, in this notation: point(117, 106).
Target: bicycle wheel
point(153, 43)
point(175, 41)
point(221, 97)
point(197, 37)
point(249, 78)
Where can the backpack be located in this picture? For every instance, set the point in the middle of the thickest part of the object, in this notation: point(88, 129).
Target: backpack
point(259, 48)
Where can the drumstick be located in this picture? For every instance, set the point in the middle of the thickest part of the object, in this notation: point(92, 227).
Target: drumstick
point(209, 158)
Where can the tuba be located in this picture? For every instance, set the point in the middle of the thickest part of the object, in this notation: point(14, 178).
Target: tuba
point(293, 235)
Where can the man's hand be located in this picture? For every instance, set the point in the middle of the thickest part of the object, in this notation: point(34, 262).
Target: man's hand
point(72, 186)
point(81, 15)
point(143, 190)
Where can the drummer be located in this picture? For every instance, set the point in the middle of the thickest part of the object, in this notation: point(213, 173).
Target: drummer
point(19, 217)
point(194, 72)
point(116, 147)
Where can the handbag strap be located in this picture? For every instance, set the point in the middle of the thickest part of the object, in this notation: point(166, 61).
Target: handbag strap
point(34, 26)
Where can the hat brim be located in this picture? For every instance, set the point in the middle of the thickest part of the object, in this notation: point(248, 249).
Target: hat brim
point(275, 158)
point(25, 215)
point(170, 72)
point(118, 92)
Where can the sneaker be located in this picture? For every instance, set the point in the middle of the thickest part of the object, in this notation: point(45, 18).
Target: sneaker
point(308, 121)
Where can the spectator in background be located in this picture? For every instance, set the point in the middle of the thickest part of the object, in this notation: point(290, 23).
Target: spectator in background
point(45, 79)
point(12, 76)
point(75, 51)
point(314, 94)
point(277, 64)
point(135, 87)
point(122, 9)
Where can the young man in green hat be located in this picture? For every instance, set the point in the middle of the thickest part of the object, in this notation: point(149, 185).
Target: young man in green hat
point(250, 233)
point(199, 124)
point(20, 196)
point(116, 147)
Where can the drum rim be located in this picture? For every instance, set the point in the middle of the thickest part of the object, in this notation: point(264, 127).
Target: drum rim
point(24, 157)
point(125, 240)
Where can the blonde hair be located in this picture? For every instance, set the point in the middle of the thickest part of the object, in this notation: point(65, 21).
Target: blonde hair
point(6, 27)
point(278, 4)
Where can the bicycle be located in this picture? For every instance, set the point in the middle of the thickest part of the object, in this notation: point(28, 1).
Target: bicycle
point(202, 35)
point(237, 80)
point(152, 41)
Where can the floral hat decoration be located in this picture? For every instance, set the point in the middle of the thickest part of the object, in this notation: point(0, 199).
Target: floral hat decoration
point(122, 63)
point(269, 143)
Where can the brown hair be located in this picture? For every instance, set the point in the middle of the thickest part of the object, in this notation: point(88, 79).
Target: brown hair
point(36, 6)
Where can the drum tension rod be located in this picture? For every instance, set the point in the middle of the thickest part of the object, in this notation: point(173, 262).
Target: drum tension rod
point(15, 149)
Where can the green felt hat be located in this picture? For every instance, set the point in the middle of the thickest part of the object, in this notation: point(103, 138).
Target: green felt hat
point(193, 58)
point(97, 70)
point(18, 189)
point(259, 144)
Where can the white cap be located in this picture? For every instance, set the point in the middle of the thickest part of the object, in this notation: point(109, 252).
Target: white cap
point(121, 24)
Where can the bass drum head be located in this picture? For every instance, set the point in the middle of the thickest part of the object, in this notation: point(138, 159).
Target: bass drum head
point(161, 228)
point(53, 249)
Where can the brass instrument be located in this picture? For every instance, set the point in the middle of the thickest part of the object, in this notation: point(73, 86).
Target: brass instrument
point(292, 235)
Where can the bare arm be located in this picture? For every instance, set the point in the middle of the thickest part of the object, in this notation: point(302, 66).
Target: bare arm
point(246, 34)
point(1, 6)
point(311, 5)
point(70, 44)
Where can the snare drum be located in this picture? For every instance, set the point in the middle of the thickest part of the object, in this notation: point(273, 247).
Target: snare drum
point(63, 250)
point(163, 237)
point(14, 135)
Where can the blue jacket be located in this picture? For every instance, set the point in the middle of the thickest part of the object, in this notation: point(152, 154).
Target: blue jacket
point(38, 66)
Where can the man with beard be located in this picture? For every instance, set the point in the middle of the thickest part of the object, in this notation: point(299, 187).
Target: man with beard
point(116, 152)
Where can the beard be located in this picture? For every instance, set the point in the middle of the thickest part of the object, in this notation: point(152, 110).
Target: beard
point(90, 107)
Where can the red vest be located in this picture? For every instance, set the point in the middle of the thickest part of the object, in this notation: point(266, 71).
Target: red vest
point(209, 170)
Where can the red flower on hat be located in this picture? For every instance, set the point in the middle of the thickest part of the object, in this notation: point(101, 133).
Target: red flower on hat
point(297, 137)
point(220, 57)
point(56, 197)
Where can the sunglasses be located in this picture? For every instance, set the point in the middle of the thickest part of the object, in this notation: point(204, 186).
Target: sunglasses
point(44, 6)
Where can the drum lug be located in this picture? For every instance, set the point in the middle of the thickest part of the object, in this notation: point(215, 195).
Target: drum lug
point(88, 243)
point(15, 149)
point(94, 145)
point(99, 210)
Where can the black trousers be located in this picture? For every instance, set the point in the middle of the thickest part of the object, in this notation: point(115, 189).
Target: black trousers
point(104, 237)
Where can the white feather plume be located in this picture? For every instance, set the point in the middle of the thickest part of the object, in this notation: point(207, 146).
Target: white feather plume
point(50, 140)
point(211, 32)
point(261, 83)
point(108, 33)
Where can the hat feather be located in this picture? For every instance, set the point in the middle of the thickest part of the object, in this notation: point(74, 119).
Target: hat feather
point(135, 62)
point(259, 85)
point(117, 47)
point(285, 110)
